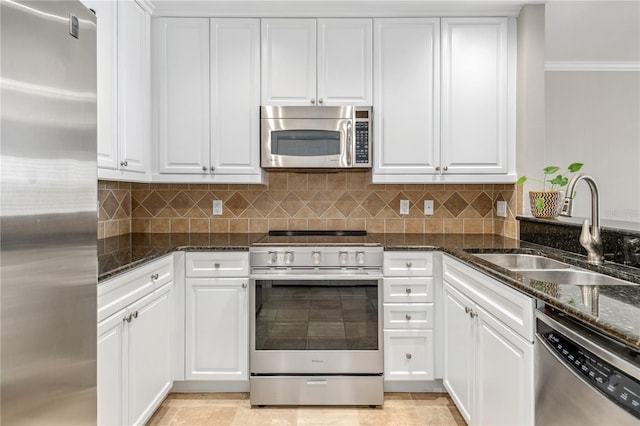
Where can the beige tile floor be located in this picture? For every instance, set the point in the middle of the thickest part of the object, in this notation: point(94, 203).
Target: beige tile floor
point(234, 409)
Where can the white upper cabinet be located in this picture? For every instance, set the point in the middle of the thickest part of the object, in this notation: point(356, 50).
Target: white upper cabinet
point(345, 57)
point(235, 98)
point(316, 62)
point(207, 79)
point(183, 95)
point(474, 95)
point(123, 89)
point(406, 108)
point(457, 126)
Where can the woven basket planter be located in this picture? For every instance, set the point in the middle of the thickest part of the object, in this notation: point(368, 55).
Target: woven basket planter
point(551, 203)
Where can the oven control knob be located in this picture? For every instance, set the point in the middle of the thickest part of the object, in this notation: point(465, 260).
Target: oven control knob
point(343, 258)
point(288, 258)
point(315, 257)
point(360, 258)
point(272, 258)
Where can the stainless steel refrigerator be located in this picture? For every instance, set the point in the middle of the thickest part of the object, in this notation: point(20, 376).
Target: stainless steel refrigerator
point(48, 218)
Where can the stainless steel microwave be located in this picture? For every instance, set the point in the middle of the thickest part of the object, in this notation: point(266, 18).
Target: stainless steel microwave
point(315, 137)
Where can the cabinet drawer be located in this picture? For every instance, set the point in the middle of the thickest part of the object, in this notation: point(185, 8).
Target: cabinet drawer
point(513, 308)
point(408, 355)
point(116, 293)
point(217, 264)
point(408, 316)
point(408, 290)
point(408, 263)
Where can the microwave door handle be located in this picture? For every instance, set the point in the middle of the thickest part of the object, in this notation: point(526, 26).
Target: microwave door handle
point(349, 144)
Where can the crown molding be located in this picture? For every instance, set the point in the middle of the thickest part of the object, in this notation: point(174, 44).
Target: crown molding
point(592, 66)
point(336, 8)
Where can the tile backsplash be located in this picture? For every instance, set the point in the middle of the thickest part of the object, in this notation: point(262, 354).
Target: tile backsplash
point(342, 200)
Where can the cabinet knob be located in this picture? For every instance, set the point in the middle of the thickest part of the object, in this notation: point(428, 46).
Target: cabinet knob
point(204, 168)
point(409, 264)
point(124, 163)
point(408, 356)
point(473, 314)
point(445, 168)
point(408, 317)
point(320, 100)
point(212, 168)
point(154, 277)
point(244, 285)
point(437, 168)
point(135, 314)
point(467, 309)
point(216, 265)
point(313, 100)
point(408, 290)
point(127, 318)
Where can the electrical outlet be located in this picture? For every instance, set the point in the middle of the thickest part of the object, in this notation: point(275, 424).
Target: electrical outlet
point(501, 208)
point(217, 207)
point(428, 207)
point(404, 206)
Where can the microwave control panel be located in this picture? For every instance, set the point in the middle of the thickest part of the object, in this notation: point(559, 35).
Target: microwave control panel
point(363, 137)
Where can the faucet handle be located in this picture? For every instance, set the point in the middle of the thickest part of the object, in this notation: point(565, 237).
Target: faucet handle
point(585, 236)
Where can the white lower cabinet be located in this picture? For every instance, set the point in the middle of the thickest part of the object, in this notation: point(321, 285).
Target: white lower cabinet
point(488, 363)
point(135, 344)
point(217, 316)
point(408, 311)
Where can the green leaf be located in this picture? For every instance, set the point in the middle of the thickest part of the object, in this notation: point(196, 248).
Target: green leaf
point(521, 180)
point(574, 167)
point(539, 204)
point(559, 180)
point(551, 169)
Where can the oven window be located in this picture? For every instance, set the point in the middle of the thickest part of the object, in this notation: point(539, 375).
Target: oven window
point(305, 143)
point(316, 315)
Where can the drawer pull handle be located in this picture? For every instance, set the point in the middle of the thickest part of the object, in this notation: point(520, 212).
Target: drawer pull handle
point(216, 265)
point(408, 290)
point(408, 317)
point(409, 264)
point(154, 277)
point(408, 356)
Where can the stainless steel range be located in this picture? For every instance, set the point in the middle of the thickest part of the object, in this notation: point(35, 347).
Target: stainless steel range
point(316, 328)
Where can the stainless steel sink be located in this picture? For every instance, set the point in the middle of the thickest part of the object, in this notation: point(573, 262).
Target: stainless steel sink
point(518, 261)
point(573, 276)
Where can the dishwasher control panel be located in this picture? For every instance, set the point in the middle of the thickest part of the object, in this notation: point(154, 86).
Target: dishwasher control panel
point(618, 386)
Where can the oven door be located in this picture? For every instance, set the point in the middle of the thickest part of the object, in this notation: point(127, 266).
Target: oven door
point(306, 143)
point(310, 325)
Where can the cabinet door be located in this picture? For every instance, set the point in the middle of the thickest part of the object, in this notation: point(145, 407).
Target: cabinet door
point(217, 333)
point(150, 345)
point(345, 61)
point(408, 355)
point(458, 350)
point(474, 95)
point(235, 96)
point(504, 374)
point(406, 98)
point(133, 86)
point(288, 61)
point(111, 363)
point(107, 88)
point(183, 95)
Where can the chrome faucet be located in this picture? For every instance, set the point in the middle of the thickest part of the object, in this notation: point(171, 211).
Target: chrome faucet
point(591, 241)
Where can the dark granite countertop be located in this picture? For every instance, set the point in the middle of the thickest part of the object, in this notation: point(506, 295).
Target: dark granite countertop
point(619, 306)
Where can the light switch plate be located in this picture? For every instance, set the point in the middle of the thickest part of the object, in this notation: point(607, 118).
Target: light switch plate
point(404, 206)
point(501, 208)
point(217, 207)
point(428, 207)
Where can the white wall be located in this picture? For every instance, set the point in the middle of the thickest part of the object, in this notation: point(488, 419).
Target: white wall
point(594, 116)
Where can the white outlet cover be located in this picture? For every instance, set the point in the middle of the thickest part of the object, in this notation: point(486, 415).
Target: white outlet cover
point(217, 207)
point(428, 207)
point(404, 206)
point(501, 208)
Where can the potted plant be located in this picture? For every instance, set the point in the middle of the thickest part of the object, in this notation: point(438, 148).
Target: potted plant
point(546, 203)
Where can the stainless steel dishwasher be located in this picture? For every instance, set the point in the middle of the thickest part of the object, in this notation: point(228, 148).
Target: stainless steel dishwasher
point(582, 377)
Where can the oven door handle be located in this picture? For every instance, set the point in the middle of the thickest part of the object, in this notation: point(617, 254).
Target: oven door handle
point(318, 277)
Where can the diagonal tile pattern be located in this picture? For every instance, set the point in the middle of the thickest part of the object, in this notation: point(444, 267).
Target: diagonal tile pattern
point(299, 201)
